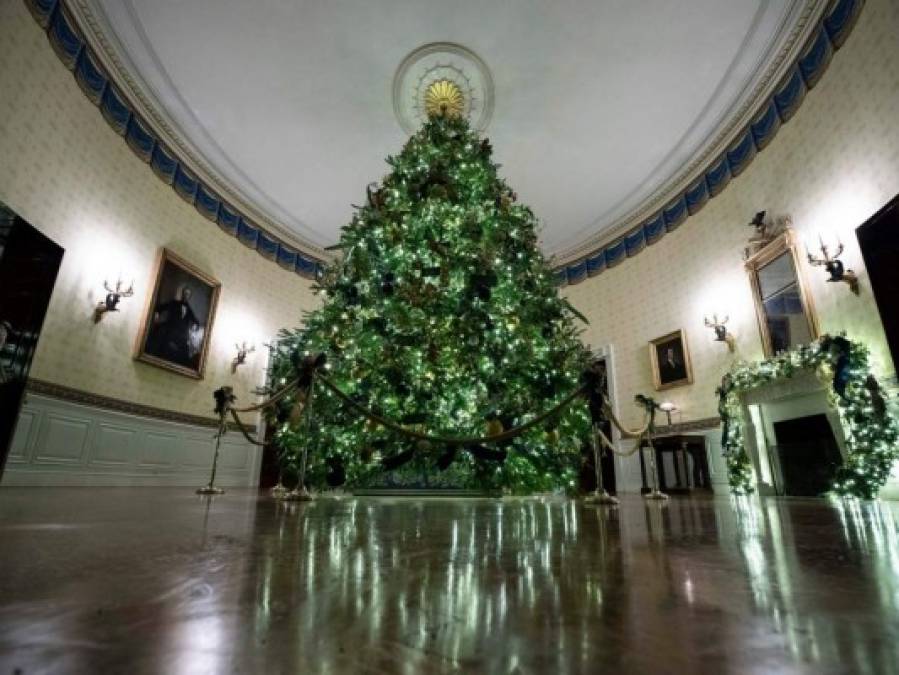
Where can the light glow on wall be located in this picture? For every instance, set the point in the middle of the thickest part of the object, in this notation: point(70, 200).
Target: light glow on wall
point(233, 326)
point(838, 212)
point(99, 253)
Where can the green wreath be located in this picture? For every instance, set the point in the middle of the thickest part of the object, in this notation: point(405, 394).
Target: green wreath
point(872, 435)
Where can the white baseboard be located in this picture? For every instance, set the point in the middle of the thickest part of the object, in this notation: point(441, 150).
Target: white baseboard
point(62, 443)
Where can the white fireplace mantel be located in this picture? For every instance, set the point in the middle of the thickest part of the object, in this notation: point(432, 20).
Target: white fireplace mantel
point(787, 398)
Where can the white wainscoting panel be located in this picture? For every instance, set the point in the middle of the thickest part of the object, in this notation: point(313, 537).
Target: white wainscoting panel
point(114, 444)
point(62, 438)
point(62, 443)
point(18, 451)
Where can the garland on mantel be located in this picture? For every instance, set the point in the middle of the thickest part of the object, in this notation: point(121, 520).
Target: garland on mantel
point(872, 435)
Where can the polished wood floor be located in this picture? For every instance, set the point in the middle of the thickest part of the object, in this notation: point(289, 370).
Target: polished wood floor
point(155, 580)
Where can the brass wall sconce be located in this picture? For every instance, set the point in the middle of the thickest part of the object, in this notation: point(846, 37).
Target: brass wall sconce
point(111, 302)
point(721, 332)
point(834, 267)
point(243, 350)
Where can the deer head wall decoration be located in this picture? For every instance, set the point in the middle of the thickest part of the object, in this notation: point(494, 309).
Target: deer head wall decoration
point(243, 350)
point(834, 267)
point(111, 302)
point(720, 328)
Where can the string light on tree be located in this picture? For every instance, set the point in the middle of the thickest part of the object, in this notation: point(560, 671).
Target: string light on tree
point(441, 314)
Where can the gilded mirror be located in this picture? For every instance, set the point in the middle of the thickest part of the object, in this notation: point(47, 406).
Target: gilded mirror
point(783, 308)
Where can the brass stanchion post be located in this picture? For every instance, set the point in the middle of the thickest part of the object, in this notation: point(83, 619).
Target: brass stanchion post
point(224, 398)
point(600, 495)
point(654, 492)
point(279, 490)
point(300, 493)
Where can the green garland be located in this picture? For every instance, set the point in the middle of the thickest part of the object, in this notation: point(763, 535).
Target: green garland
point(872, 436)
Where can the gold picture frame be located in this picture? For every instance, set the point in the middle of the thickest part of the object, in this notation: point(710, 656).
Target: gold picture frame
point(674, 368)
point(178, 317)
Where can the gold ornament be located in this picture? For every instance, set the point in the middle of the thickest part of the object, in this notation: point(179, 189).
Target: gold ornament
point(494, 428)
point(552, 437)
point(444, 98)
point(296, 412)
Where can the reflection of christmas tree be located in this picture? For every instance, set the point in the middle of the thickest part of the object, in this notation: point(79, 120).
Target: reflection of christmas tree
point(441, 315)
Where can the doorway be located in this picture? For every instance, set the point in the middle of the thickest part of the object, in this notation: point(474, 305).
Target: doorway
point(808, 455)
point(29, 263)
point(880, 249)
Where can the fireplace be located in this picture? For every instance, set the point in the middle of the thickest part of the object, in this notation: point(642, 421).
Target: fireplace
point(793, 436)
point(807, 455)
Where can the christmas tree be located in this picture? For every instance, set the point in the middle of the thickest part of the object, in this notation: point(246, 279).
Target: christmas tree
point(441, 315)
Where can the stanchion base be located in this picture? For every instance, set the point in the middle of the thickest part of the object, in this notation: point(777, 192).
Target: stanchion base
point(655, 494)
point(210, 490)
point(603, 498)
point(297, 496)
point(279, 491)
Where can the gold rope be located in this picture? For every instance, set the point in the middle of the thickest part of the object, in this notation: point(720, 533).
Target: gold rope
point(627, 433)
point(274, 398)
point(243, 429)
point(638, 434)
point(449, 440)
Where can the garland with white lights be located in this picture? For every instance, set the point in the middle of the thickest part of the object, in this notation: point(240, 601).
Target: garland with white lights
point(872, 435)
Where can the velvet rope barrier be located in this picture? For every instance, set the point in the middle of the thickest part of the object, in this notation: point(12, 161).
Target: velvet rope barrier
point(628, 433)
point(243, 429)
point(448, 440)
point(271, 400)
point(309, 371)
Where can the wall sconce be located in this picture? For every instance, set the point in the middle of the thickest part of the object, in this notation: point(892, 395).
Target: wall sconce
point(721, 333)
point(243, 350)
point(111, 303)
point(667, 407)
point(837, 270)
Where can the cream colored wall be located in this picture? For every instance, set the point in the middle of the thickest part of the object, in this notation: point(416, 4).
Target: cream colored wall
point(65, 171)
point(831, 167)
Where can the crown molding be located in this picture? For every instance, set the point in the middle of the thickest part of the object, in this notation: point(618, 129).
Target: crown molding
point(780, 66)
point(813, 24)
point(109, 52)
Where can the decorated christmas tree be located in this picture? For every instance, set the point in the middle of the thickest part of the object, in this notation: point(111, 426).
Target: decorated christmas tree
point(441, 315)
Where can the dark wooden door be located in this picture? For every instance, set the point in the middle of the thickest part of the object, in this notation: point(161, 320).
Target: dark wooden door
point(879, 241)
point(29, 263)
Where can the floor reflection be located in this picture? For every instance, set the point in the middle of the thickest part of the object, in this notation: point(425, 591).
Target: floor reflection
point(159, 581)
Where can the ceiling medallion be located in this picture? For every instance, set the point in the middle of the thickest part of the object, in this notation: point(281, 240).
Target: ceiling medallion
point(444, 98)
point(442, 78)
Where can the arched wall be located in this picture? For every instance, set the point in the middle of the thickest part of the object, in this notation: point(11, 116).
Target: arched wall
point(831, 167)
point(66, 172)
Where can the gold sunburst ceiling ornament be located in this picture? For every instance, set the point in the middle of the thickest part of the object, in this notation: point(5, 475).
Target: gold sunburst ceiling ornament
point(444, 97)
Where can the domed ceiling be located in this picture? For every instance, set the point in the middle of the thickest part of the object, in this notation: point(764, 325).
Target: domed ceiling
point(594, 108)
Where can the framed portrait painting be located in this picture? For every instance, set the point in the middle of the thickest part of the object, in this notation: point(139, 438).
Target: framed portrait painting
point(670, 360)
point(179, 316)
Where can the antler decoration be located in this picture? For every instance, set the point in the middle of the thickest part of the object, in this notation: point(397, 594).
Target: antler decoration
point(242, 352)
point(721, 333)
point(111, 302)
point(834, 267)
